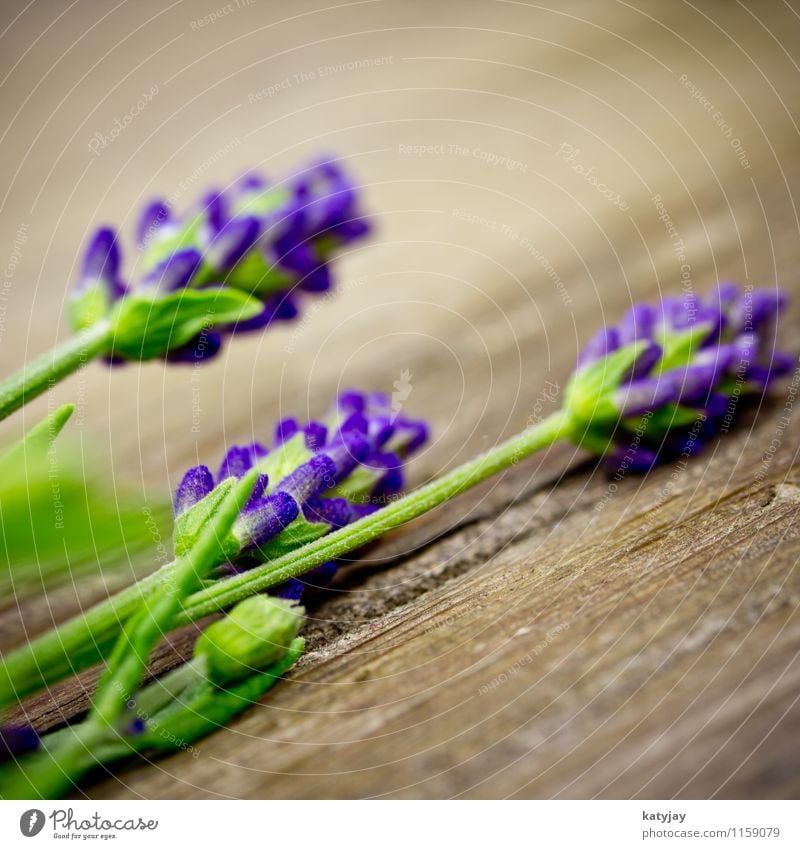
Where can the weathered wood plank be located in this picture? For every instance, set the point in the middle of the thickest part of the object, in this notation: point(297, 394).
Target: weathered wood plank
point(556, 633)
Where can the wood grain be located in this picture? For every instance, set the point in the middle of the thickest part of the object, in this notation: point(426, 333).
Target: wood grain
point(557, 633)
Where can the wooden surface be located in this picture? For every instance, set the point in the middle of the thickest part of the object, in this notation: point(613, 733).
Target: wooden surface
point(556, 633)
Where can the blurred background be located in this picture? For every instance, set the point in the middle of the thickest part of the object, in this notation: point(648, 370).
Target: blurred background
point(529, 170)
point(509, 156)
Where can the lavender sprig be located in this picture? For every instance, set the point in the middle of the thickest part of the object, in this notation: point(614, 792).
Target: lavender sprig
point(239, 260)
point(647, 384)
point(662, 372)
point(675, 374)
point(319, 476)
point(193, 700)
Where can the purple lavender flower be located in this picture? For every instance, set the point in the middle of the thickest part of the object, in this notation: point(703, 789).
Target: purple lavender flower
point(268, 241)
point(16, 740)
point(670, 376)
point(319, 476)
point(99, 285)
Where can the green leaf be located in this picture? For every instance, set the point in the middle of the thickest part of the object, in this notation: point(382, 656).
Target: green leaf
point(206, 708)
point(358, 485)
point(254, 274)
point(679, 347)
point(190, 524)
point(60, 518)
point(284, 459)
point(671, 416)
point(144, 328)
point(38, 439)
point(589, 395)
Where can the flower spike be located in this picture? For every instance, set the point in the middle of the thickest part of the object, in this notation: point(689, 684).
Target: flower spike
point(668, 377)
point(657, 385)
point(237, 261)
point(318, 477)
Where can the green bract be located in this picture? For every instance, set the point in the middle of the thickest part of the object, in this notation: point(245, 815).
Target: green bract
point(144, 328)
point(255, 634)
point(589, 396)
point(189, 525)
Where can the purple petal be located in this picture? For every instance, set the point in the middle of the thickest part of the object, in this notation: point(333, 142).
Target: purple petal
point(347, 450)
point(745, 348)
point(355, 422)
point(715, 405)
point(256, 498)
point(352, 230)
point(316, 578)
point(232, 242)
point(153, 216)
point(351, 401)
point(280, 307)
point(257, 322)
point(264, 520)
point(333, 511)
point(637, 325)
point(413, 433)
point(317, 280)
point(310, 479)
point(674, 314)
point(285, 429)
point(301, 259)
point(604, 342)
point(251, 184)
point(684, 444)
point(755, 309)
point(316, 434)
point(213, 206)
point(392, 479)
point(291, 590)
point(377, 402)
point(762, 373)
point(782, 363)
point(381, 428)
point(695, 382)
point(724, 294)
point(240, 459)
point(644, 362)
point(195, 486)
point(646, 394)
point(175, 271)
point(638, 460)
point(101, 259)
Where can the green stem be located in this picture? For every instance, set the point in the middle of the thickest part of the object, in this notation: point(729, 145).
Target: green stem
point(86, 638)
point(66, 759)
point(198, 708)
point(226, 593)
point(46, 774)
point(76, 644)
point(51, 367)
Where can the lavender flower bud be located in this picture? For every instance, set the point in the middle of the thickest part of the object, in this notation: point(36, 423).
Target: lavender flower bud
point(668, 377)
point(319, 476)
point(235, 262)
point(256, 633)
point(99, 286)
